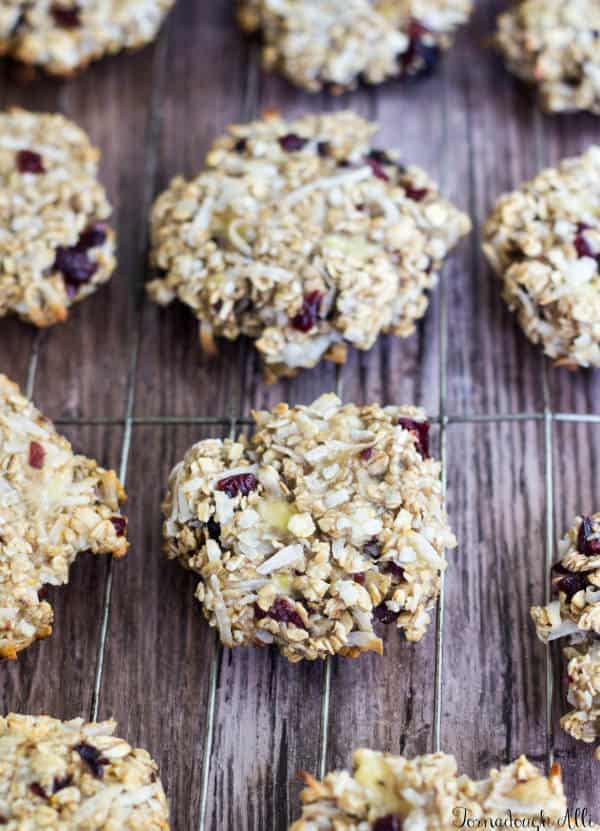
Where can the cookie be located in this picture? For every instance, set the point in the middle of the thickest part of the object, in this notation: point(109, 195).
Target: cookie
point(576, 581)
point(53, 505)
point(328, 521)
point(543, 241)
point(337, 43)
point(64, 36)
point(583, 673)
point(389, 793)
point(55, 245)
point(303, 237)
point(555, 45)
point(58, 775)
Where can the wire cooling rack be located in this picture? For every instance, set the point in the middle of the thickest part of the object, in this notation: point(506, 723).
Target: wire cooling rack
point(229, 422)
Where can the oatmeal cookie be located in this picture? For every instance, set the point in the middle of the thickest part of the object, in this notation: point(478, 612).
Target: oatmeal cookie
point(390, 793)
point(55, 245)
point(329, 519)
point(53, 505)
point(337, 43)
point(583, 669)
point(555, 44)
point(576, 580)
point(64, 36)
point(58, 775)
point(303, 237)
point(543, 241)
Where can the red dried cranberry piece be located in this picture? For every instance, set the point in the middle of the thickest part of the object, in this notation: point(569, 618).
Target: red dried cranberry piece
point(291, 142)
point(395, 570)
point(119, 524)
point(391, 822)
point(213, 529)
point(571, 584)
point(308, 315)
point(377, 169)
point(37, 454)
point(242, 484)
point(589, 547)
point(92, 757)
point(581, 244)
point(366, 453)
point(284, 612)
point(420, 57)
point(420, 430)
point(60, 784)
point(259, 614)
point(67, 18)
point(359, 578)
point(379, 156)
point(75, 265)
point(28, 161)
point(416, 194)
point(383, 614)
point(37, 789)
point(372, 549)
point(92, 237)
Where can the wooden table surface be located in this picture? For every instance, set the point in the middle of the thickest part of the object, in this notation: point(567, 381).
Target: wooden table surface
point(129, 386)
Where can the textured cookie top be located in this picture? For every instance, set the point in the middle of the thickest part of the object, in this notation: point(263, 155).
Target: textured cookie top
point(55, 248)
point(60, 775)
point(63, 36)
point(390, 793)
point(336, 43)
point(329, 519)
point(303, 237)
point(543, 240)
point(53, 505)
point(576, 580)
point(583, 672)
point(555, 44)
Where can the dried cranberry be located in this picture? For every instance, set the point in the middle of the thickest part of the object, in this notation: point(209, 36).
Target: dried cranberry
point(379, 156)
point(92, 757)
point(383, 614)
point(29, 162)
point(92, 237)
point(75, 265)
point(291, 142)
point(37, 789)
point(242, 483)
point(391, 822)
point(259, 613)
point(68, 18)
point(284, 612)
point(359, 578)
point(589, 547)
point(581, 244)
point(395, 570)
point(324, 149)
point(372, 549)
point(60, 784)
point(37, 454)
point(416, 194)
point(213, 529)
point(308, 315)
point(571, 584)
point(240, 145)
point(420, 430)
point(377, 169)
point(366, 453)
point(119, 524)
point(420, 57)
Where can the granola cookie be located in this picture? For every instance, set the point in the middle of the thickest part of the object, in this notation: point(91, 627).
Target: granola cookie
point(543, 241)
point(64, 36)
point(303, 237)
point(583, 669)
point(55, 246)
point(390, 793)
point(330, 519)
point(337, 43)
point(53, 505)
point(60, 775)
point(576, 580)
point(555, 45)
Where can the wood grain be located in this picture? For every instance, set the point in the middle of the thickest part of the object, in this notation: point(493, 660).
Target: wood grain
point(479, 134)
